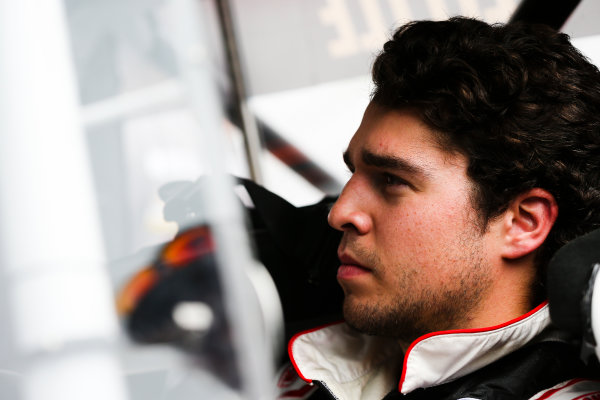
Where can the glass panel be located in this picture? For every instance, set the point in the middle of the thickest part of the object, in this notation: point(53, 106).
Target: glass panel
point(153, 88)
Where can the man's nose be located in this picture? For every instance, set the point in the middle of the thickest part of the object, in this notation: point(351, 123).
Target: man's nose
point(349, 213)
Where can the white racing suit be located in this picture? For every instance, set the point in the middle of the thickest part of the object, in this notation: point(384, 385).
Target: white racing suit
point(521, 359)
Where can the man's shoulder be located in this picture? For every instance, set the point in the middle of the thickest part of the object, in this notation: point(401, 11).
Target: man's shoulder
point(539, 371)
point(573, 389)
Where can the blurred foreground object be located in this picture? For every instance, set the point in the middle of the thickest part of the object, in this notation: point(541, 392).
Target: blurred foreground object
point(59, 331)
point(295, 244)
point(178, 300)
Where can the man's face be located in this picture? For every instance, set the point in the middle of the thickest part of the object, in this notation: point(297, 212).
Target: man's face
point(413, 254)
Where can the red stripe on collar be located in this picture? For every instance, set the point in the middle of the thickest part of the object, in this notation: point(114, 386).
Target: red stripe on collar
point(454, 331)
point(296, 336)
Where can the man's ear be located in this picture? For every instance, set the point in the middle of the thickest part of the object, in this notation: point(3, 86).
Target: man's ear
point(527, 222)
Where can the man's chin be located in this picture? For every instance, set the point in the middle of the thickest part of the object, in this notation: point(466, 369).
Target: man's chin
point(361, 317)
point(378, 320)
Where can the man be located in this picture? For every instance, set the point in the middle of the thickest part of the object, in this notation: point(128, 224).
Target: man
point(478, 157)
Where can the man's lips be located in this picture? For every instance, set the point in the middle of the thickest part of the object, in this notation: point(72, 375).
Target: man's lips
point(350, 268)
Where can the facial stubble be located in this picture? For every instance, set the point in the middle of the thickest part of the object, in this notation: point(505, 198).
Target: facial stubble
point(416, 309)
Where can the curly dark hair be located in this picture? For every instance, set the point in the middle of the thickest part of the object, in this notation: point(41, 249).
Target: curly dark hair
point(518, 100)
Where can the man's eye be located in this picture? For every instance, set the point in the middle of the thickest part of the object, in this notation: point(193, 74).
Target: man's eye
point(392, 180)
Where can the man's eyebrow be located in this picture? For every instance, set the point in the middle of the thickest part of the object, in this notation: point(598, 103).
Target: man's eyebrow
point(392, 162)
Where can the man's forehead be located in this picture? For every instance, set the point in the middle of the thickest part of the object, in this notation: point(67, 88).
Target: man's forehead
point(384, 123)
point(391, 138)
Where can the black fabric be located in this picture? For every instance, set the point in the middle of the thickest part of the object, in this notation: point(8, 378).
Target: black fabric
point(299, 249)
point(519, 375)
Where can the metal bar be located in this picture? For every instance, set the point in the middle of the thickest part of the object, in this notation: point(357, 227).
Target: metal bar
point(242, 111)
point(553, 13)
point(299, 162)
point(224, 216)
